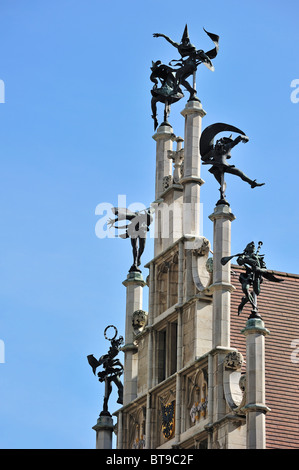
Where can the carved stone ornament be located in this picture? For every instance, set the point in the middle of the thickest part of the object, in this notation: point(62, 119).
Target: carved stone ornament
point(136, 429)
point(163, 267)
point(139, 321)
point(167, 182)
point(209, 265)
point(139, 443)
point(197, 387)
point(233, 360)
point(203, 249)
point(175, 258)
point(202, 276)
point(234, 382)
point(177, 156)
point(242, 382)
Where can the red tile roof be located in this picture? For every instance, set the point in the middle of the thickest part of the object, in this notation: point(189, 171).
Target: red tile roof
point(278, 305)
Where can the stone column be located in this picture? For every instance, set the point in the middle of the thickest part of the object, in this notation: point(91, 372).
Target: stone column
point(178, 403)
point(150, 355)
point(255, 407)
point(164, 138)
point(104, 430)
point(134, 284)
point(191, 180)
point(221, 288)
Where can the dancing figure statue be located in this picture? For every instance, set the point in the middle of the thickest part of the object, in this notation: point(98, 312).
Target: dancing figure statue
point(218, 154)
point(112, 369)
point(136, 229)
point(255, 271)
point(168, 93)
point(190, 59)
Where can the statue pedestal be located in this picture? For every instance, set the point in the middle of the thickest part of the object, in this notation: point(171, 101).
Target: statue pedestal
point(104, 430)
point(221, 287)
point(226, 430)
point(134, 285)
point(164, 138)
point(193, 114)
point(255, 407)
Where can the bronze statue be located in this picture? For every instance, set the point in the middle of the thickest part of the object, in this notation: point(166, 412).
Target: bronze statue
point(136, 230)
point(113, 369)
point(255, 271)
point(218, 154)
point(191, 58)
point(169, 92)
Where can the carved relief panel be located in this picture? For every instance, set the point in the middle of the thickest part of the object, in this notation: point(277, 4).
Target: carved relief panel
point(136, 428)
point(196, 397)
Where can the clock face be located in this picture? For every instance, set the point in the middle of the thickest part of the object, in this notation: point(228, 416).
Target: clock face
point(168, 419)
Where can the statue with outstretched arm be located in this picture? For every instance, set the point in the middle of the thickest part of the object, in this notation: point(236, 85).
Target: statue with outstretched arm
point(112, 369)
point(217, 155)
point(136, 229)
point(252, 278)
point(191, 58)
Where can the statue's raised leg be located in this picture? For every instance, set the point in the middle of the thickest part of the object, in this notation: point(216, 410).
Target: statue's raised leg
point(237, 172)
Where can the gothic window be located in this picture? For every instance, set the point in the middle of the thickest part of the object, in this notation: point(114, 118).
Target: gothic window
point(161, 359)
point(173, 281)
point(167, 284)
point(162, 288)
point(167, 351)
point(173, 334)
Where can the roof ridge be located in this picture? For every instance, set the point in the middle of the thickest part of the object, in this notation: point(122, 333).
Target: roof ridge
point(278, 273)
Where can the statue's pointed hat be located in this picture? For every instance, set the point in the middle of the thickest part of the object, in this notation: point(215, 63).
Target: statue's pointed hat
point(185, 34)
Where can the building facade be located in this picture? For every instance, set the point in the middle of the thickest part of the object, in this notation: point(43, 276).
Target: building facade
point(196, 375)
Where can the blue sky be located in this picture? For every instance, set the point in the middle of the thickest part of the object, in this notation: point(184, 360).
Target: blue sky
point(76, 131)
